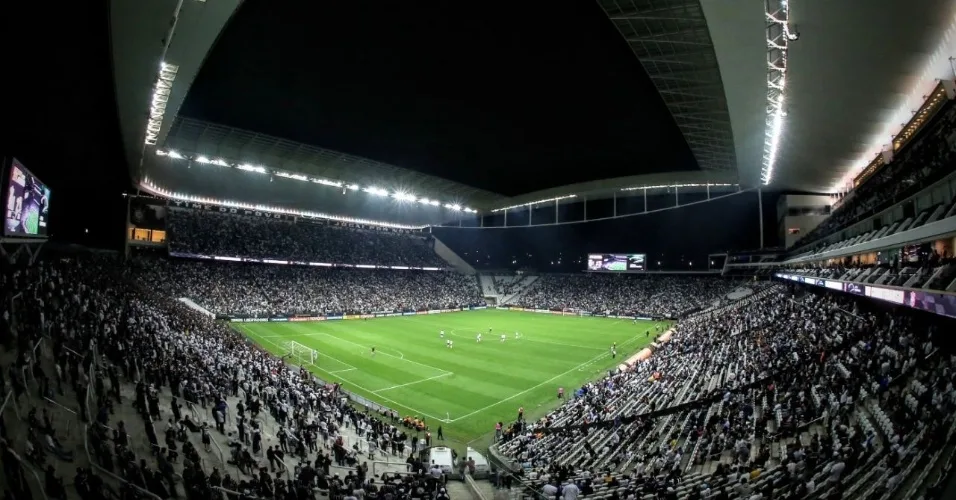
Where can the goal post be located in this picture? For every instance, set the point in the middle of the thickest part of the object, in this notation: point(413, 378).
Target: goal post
point(301, 354)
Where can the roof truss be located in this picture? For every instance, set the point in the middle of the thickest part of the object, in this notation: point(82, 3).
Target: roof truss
point(671, 40)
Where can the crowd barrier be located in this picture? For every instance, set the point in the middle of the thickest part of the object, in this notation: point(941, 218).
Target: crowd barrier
point(335, 317)
point(575, 312)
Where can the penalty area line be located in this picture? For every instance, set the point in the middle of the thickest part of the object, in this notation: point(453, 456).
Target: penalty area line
point(371, 392)
point(338, 371)
point(412, 383)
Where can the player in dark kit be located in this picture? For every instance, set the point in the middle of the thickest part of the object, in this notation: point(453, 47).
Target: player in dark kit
point(373, 351)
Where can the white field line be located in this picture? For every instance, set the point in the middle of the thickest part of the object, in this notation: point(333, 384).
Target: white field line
point(509, 398)
point(413, 383)
point(369, 391)
point(313, 334)
point(338, 371)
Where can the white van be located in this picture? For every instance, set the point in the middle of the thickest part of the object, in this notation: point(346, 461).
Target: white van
point(482, 469)
point(441, 456)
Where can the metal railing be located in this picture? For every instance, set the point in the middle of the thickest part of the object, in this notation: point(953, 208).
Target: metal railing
point(86, 430)
point(10, 399)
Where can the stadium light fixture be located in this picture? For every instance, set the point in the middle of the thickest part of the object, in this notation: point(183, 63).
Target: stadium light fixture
point(376, 191)
point(557, 198)
point(157, 108)
point(148, 185)
point(779, 37)
point(326, 182)
point(252, 168)
point(398, 195)
point(297, 177)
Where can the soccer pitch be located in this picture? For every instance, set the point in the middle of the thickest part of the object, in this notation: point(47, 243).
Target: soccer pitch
point(469, 387)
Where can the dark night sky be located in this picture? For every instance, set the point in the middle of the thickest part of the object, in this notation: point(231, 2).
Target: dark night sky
point(59, 113)
point(511, 97)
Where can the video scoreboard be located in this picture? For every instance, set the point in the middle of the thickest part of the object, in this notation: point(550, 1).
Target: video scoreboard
point(617, 262)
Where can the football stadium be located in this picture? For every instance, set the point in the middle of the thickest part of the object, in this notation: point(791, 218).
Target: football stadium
point(601, 249)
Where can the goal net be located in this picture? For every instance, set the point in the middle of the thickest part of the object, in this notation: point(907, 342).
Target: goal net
point(301, 354)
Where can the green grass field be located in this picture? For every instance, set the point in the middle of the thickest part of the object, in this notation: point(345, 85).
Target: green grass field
point(467, 388)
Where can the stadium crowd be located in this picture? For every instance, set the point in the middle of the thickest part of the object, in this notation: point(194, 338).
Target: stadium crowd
point(228, 235)
point(261, 290)
point(192, 382)
point(773, 396)
point(927, 160)
point(641, 295)
point(783, 394)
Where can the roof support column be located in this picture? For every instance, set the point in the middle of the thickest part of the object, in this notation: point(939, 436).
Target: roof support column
point(614, 213)
point(481, 221)
point(708, 191)
point(529, 215)
point(676, 197)
point(556, 212)
point(506, 217)
point(645, 200)
point(585, 209)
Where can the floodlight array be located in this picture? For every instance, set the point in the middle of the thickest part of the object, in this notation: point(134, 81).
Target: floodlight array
point(688, 185)
point(148, 185)
point(538, 202)
point(380, 192)
point(157, 107)
point(778, 39)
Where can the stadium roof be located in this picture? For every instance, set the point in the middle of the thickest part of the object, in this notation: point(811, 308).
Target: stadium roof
point(237, 145)
point(856, 75)
point(852, 78)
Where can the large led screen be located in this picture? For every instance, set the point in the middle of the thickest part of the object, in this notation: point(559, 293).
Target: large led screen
point(27, 204)
point(616, 262)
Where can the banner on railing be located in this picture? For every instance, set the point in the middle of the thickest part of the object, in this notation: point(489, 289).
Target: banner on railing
point(380, 314)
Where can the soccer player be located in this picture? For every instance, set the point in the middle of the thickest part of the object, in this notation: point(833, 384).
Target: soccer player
point(373, 351)
point(442, 334)
point(451, 345)
point(517, 335)
point(503, 337)
point(448, 343)
point(479, 337)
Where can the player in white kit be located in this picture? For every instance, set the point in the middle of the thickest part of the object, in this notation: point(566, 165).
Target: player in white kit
point(503, 337)
point(517, 335)
point(479, 337)
point(442, 334)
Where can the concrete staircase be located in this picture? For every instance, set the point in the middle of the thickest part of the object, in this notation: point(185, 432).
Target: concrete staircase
point(523, 286)
point(487, 283)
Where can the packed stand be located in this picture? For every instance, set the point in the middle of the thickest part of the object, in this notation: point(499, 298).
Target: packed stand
point(228, 235)
point(645, 295)
point(262, 290)
point(927, 160)
point(168, 383)
point(774, 396)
